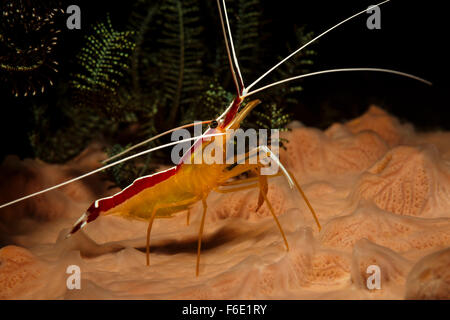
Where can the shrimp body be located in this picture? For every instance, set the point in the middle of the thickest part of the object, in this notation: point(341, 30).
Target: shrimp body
point(186, 187)
point(166, 192)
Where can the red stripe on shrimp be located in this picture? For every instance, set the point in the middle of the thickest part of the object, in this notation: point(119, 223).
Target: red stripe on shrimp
point(105, 204)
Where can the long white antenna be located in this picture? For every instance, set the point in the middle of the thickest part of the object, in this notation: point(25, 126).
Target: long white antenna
point(304, 46)
point(236, 63)
point(154, 138)
point(337, 70)
point(233, 73)
point(106, 167)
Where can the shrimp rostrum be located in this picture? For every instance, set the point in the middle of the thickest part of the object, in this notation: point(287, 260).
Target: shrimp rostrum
point(177, 189)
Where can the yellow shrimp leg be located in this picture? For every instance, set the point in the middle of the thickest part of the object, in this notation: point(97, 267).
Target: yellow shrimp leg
point(245, 167)
point(235, 189)
point(262, 195)
point(200, 234)
point(152, 218)
point(306, 200)
point(247, 180)
point(263, 188)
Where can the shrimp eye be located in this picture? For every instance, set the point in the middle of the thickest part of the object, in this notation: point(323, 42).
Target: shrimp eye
point(214, 124)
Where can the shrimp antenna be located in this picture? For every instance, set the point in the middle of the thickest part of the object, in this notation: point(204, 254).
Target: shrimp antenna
point(154, 138)
point(307, 44)
point(106, 167)
point(238, 81)
point(233, 51)
point(337, 70)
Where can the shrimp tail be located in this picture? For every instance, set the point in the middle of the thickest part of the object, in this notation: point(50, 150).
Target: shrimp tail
point(90, 215)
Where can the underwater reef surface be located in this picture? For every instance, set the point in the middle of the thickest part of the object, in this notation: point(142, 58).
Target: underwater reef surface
point(381, 191)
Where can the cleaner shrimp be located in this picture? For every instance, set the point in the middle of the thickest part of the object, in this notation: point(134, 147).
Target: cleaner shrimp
point(177, 189)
